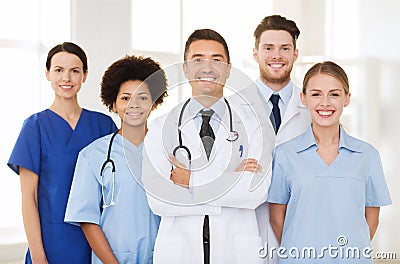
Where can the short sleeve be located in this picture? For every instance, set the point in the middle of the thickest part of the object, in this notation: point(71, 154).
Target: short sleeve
point(279, 189)
point(84, 199)
point(27, 150)
point(377, 193)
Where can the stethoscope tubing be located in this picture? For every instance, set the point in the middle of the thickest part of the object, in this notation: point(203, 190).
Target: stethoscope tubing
point(108, 160)
point(233, 135)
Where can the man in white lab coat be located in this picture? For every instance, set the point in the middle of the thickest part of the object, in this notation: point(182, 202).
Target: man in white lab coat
point(275, 52)
point(205, 166)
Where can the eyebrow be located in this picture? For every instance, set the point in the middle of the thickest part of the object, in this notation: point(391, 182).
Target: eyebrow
point(143, 93)
point(333, 90)
point(203, 55)
point(77, 67)
point(278, 45)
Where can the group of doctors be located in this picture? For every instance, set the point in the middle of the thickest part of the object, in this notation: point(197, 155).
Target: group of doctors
point(192, 187)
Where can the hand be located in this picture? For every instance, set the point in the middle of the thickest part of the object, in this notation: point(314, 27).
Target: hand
point(180, 175)
point(250, 165)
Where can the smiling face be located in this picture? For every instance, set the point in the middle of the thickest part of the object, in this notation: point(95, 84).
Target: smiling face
point(206, 67)
point(133, 104)
point(325, 98)
point(66, 75)
point(275, 56)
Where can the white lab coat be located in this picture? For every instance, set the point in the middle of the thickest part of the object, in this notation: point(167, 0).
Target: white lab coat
point(295, 122)
point(228, 197)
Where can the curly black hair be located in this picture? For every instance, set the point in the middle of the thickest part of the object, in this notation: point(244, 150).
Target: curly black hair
point(132, 68)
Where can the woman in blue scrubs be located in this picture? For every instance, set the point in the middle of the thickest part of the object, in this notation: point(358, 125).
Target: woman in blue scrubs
point(113, 210)
point(327, 187)
point(45, 155)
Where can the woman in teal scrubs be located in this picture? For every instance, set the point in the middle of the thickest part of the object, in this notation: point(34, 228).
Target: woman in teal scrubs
point(113, 210)
point(327, 187)
point(45, 155)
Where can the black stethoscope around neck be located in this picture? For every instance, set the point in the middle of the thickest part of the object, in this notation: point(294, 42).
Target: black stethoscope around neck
point(233, 135)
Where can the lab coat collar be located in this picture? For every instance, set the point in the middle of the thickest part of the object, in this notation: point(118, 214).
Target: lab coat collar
point(294, 107)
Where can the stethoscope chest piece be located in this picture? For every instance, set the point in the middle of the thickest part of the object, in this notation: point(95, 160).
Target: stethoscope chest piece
point(233, 136)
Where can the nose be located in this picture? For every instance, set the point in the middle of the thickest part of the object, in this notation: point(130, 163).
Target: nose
point(276, 53)
point(325, 101)
point(207, 66)
point(66, 76)
point(133, 103)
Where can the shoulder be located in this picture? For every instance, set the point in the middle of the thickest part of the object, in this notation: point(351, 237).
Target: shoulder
point(361, 145)
point(97, 144)
point(292, 145)
point(96, 114)
point(35, 119)
point(97, 119)
point(170, 116)
point(246, 95)
point(296, 90)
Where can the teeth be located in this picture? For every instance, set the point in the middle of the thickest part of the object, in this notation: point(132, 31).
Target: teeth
point(325, 113)
point(276, 66)
point(207, 79)
point(66, 86)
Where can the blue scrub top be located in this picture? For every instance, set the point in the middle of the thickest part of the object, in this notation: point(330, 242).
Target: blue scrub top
point(48, 146)
point(129, 226)
point(326, 204)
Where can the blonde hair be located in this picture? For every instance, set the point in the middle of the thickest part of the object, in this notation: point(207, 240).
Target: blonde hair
point(329, 68)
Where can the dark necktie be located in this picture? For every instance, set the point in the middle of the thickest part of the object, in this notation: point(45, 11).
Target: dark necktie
point(206, 133)
point(207, 137)
point(276, 112)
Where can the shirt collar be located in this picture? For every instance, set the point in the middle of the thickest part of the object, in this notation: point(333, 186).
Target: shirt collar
point(218, 107)
point(348, 142)
point(345, 142)
point(285, 93)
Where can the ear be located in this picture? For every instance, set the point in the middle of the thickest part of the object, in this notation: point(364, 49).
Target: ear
point(347, 100)
point(303, 99)
point(296, 54)
point(114, 108)
point(228, 70)
point(85, 76)
point(47, 74)
point(255, 55)
point(184, 66)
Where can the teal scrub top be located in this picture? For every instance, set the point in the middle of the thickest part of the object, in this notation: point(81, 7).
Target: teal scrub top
point(326, 204)
point(129, 226)
point(48, 146)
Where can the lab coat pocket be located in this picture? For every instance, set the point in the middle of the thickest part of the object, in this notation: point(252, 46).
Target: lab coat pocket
point(247, 249)
point(125, 257)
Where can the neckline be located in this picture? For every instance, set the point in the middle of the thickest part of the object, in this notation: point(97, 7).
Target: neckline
point(66, 122)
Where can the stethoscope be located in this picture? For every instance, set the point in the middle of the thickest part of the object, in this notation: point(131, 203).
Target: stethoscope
point(233, 135)
point(106, 162)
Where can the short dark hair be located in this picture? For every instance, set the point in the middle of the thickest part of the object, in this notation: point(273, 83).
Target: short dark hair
point(205, 34)
point(276, 22)
point(70, 48)
point(133, 68)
